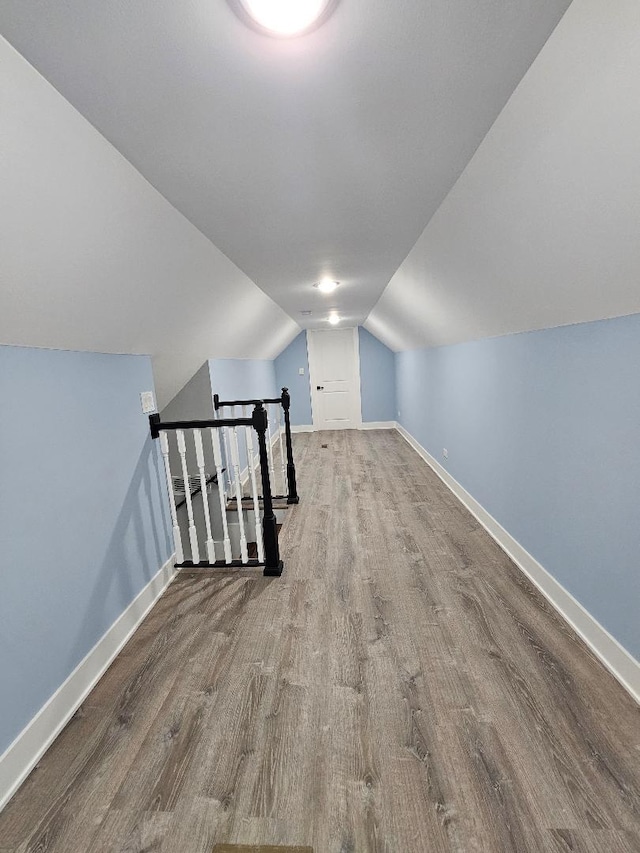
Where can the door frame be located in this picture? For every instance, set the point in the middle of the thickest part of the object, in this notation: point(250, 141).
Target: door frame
point(315, 402)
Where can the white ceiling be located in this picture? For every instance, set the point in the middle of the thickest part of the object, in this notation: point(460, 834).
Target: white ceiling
point(542, 229)
point(325, 155)
point(93, 258)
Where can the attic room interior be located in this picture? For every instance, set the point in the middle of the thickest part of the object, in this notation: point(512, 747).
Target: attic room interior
point(320, 426)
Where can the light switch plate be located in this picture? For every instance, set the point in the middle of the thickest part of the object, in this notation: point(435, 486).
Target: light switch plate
point(301, 371)
point(148, 403)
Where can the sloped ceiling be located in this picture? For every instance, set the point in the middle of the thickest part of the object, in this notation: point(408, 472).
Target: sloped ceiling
point(542, 228)
point(93, 258)
point(325, 155)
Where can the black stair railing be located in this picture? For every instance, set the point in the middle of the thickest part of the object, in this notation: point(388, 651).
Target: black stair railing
point(268, 552)
point(285, 402)
point(273, 566)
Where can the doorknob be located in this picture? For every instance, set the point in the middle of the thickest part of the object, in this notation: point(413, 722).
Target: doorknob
point(319, 387)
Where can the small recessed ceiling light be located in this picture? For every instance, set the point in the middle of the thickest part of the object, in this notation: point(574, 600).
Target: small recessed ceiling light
point(326, 285)
point(306, 313)
point(285, 17)
point(334, 319)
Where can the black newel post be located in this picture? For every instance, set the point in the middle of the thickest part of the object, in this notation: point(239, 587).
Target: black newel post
point(154, 424)
point(273, 563)
point(292, 497)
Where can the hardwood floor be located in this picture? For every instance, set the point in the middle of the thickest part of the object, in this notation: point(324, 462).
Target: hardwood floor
point(402, 688)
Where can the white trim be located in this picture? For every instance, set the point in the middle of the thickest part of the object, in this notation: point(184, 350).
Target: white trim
point(356, 334)
point(378, 425)
point(27, 749)
point(620, 663)
point(364, 425)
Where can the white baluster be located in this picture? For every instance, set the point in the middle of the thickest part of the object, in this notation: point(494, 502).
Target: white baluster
point(193, 534)
point(217, 457)
point(248, 432)
point(272, 473)
point(227, 452)
point(177, 538)
point(283, 466)
point(197, 440)
point(235, 459)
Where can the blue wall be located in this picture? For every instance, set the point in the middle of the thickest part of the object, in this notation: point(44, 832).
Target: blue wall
point(543, 429)
point(242, 378)
point(287, 376)
point(83, 519)
point(377, 379)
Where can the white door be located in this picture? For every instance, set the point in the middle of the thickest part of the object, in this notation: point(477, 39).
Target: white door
point(334, 373)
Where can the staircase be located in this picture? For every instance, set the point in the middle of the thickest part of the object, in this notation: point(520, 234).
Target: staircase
point(224, 512)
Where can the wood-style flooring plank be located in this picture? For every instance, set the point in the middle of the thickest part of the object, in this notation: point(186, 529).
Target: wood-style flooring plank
point(402, 688)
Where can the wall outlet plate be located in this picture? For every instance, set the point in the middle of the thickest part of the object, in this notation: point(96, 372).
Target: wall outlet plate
point(148, 403)
point(445, 452)
point(301, 371)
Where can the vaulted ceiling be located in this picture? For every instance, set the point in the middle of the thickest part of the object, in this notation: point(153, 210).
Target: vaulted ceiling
point(464, 169)
point(324, 155)
point(541, 229)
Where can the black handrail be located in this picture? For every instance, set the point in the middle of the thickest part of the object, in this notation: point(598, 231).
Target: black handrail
point(259, 421)
point(156, 424)
point(219, 404)
point(285, 402)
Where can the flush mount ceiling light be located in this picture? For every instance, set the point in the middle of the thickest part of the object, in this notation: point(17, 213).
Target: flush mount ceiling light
point(326, 285)
point(333, 319)
point(285, 18)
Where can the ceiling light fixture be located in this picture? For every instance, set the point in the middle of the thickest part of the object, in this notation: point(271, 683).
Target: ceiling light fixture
point(333, 319)
point(285, 18)
point(326, 285)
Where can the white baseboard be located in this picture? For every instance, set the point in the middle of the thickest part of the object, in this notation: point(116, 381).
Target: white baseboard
point(27, 749)
point(367, 425)
point(622, 665)
point(378, 425)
